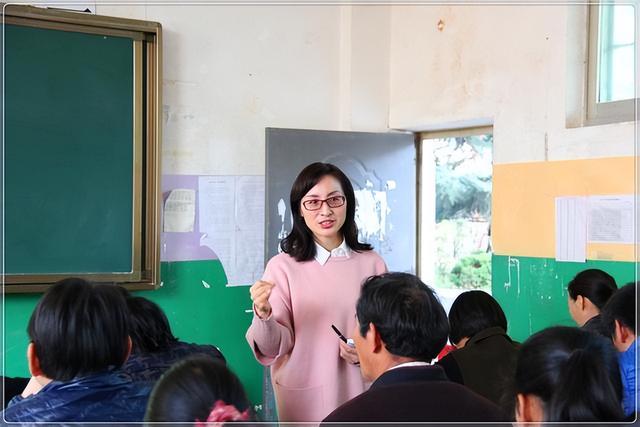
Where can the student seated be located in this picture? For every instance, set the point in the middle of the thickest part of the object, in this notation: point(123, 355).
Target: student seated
point(79, 340)
point(567, 374)
point(198, 389)
point(155, 348)
point(400, 328)
point(12, 387)
point(485, 360)
point(619, 317)
point(588, 293)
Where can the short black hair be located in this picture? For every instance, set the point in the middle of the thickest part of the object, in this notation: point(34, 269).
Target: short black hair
point(79, 328)
point(150, 329)
point(574, 372)
point(407, 314)
point(621, 307)
point(189, 389)
point(300, 243)
point(593, 283)
point(473, 312)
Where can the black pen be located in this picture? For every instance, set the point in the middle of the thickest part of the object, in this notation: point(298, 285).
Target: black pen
point(342, 337)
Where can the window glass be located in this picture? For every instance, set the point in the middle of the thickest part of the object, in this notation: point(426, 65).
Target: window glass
point(615, 53)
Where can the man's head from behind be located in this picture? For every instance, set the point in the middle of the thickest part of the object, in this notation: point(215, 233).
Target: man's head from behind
point(399, 320)
point(77, 329)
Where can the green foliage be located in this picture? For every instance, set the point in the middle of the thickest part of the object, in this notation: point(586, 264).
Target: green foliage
point(463, 177)
point(463, 172)
point(461, 196)
point(472, 271)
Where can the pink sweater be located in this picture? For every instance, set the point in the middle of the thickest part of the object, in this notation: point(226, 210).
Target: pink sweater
point(309, 377)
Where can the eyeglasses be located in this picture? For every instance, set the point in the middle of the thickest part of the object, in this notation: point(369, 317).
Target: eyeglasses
point(315, 204)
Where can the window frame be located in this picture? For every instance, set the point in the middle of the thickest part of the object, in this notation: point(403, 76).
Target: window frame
point(598, 113)
point(421, 181)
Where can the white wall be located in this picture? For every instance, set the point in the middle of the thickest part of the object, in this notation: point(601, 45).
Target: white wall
point(505, 65)
point(232, 70)
point(370, 50)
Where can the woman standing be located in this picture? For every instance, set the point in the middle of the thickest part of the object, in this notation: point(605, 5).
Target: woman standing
point(312, 285)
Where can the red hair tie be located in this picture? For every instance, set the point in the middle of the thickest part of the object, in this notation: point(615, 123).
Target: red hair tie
point(221, 413)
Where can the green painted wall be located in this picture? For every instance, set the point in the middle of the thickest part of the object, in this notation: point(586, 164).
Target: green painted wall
point(205, 313)
point(533, 291)
point(533, 297)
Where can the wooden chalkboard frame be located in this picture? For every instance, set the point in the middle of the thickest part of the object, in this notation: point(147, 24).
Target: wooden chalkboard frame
point(147, 107)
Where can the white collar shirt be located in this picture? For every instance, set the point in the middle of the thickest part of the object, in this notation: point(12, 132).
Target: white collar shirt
point(408, 364)
point(323, 255)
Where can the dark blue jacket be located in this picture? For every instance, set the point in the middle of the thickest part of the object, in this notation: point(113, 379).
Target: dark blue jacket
point(150, 366)
point(628, 362)
point(107, 396)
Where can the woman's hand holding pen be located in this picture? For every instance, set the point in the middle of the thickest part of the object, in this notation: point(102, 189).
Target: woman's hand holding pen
point(349, 353)
point(260, 293)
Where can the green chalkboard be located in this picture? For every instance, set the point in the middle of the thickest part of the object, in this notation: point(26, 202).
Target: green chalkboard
point(69, 156)
point(533, 291)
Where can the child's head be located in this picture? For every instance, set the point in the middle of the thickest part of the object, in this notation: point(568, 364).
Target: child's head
point(619, 316)
point(150, 329)
point(198, 388)
point(588, 293)
point(473, 312)
point(77, 329)
point(567, 374)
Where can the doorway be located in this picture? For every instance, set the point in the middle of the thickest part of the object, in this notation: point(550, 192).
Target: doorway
point(455, 236)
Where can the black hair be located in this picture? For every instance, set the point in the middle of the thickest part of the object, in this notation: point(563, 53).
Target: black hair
point(574, 373)
point(189, 389)
point(407, 314)
point(594, 284)
point(299, 243)
point(621, 307)
point(79, 328)
point(472, 312)
point(150, 329)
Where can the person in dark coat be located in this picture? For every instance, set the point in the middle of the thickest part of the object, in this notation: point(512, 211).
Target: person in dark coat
point(401, 326)
point(79, 339)
point(155, 348)
point(485, 359)
point(588, 292)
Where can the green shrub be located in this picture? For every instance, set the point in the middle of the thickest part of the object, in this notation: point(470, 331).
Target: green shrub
point(472, 272)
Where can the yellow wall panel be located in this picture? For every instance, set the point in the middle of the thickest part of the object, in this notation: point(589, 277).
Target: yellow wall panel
point(523, 207)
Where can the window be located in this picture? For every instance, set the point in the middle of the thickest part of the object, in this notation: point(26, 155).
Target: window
point(611, 65)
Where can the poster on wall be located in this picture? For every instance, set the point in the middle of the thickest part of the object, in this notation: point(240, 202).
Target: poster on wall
point(180, 211)
point(582, 220)
point(571, 229)
point(611, 219)
point(231, 223)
